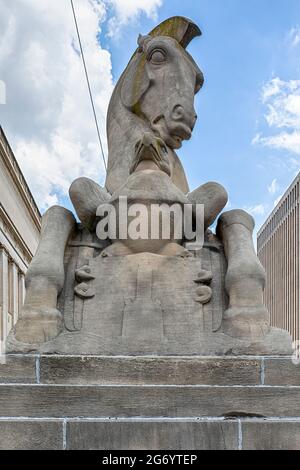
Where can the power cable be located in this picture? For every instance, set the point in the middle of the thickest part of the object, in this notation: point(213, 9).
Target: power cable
point(89, 85)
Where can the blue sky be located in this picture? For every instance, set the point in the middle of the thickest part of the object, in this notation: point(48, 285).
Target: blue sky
point(248, 132)
point(244, 45)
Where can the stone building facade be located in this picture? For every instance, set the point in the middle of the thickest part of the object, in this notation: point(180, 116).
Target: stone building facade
point(20, 223)
point(278, 247)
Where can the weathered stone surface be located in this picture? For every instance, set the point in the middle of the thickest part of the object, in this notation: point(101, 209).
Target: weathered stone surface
point(31, 435)
point(148, 401)
point(152, 435)
point(271, 435)
point(281, 371)
point(105, 370)
point(17, 369)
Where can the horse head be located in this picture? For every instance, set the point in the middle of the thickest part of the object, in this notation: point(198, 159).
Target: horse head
point(154, 96)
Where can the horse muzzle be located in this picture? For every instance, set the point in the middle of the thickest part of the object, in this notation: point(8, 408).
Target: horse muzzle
point(175, 129)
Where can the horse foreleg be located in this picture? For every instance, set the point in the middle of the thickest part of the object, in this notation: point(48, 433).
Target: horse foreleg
point(86, 196)
point(40, 320)
point(246, 316)
point(213, 197)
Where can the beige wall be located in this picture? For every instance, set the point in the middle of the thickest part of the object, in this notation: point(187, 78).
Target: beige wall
point(19, 234)
point(278, 247)
point(15, 207)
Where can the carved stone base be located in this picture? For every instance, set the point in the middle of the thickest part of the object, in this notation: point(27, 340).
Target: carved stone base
point(276, 342)
point(150, 304)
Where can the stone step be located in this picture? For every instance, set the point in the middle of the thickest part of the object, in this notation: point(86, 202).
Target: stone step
point(148, 401)
point(114, 370)
point(27, 434)
point(18, 369)
point(149, 370)
point(150, 434)
point(153, 435)
point(184, 435)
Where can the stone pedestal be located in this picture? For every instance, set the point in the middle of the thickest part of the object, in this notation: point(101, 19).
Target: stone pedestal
point(147, 304)
point(152, 403)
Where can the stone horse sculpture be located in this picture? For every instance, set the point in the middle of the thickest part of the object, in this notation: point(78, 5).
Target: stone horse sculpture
point(152, 296)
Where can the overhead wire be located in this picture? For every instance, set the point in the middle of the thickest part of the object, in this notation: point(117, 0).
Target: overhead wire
point(88, 85)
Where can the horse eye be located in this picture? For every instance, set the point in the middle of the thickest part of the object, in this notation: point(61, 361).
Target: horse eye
point(158, 56)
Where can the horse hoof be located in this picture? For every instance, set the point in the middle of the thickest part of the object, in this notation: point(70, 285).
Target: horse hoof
point(38, 327)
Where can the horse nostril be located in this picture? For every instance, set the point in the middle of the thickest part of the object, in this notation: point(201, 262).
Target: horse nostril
point(178, 112)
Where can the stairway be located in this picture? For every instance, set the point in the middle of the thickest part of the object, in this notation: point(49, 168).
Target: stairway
point(151, 403)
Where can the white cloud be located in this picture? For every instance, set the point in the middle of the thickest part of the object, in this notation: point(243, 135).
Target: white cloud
point(282, 101)
point(48, 116)
point(273, 188)
point(256, 210)
point(256, 139)
point(271, 88)
point(294, 36)
point(126, 11)
point(289, 141)
point(8, 38)
point(2, 92)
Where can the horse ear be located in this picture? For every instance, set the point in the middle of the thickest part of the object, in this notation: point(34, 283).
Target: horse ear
point(143, 41)
point(136, 81)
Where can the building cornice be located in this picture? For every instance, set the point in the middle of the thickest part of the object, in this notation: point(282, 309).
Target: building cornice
point(12, 166)
point(14, 238)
